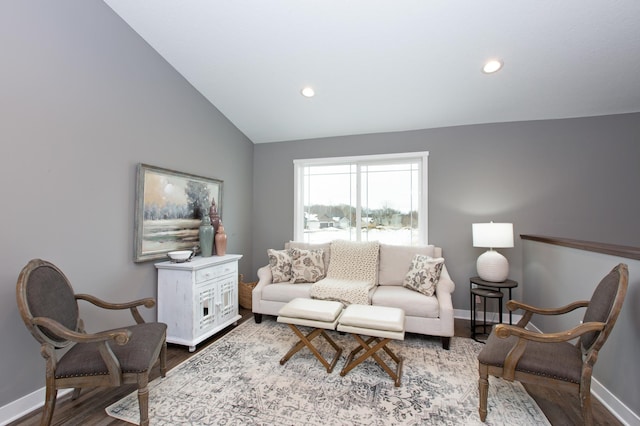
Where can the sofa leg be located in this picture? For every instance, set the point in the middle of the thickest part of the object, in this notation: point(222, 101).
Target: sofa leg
point(446, 342)
point(257, 317)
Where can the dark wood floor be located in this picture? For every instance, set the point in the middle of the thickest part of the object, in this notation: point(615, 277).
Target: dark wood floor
point(560, 408)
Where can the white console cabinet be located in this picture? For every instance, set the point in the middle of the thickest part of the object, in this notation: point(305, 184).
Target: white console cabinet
point(197, 299)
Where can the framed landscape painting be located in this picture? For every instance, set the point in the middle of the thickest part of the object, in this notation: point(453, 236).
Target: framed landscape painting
point(169, 210)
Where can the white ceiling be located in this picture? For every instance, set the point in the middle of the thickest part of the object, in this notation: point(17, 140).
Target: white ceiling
point(394, 65)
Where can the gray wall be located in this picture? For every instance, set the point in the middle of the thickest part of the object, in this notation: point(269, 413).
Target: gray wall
point(83, 99)
point(574, 178)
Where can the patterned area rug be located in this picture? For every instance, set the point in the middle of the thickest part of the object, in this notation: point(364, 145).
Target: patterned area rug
point(238, 380)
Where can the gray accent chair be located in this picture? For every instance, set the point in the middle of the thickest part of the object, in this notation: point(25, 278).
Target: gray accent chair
point(49, 309)
point(550, 359)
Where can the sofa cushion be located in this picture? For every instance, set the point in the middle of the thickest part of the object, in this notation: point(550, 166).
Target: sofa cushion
point(395, 262)
point(423, 274)
point(280, 264)
point(414, 304)
point(326, 249)
point(307, 266)
point(285, 292)
point(354, 261)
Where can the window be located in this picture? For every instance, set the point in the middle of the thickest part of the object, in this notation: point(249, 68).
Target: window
point(365, 198)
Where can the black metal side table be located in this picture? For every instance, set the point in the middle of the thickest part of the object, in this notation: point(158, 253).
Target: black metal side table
point(487, 290)
point(485, 294)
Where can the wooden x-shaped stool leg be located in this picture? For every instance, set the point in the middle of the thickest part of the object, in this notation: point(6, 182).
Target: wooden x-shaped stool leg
point(306, 341)
point(370, 351)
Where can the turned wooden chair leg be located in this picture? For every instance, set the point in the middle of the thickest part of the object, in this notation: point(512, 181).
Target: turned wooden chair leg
point(483, 390)
point(585, 401)
point(76, 393)
point(163, 360)
point(49, 405)
point(143, 398)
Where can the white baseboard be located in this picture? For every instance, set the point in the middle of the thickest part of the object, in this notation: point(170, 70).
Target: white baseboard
point(598, 391)
point(25, 405)
point(613, 404)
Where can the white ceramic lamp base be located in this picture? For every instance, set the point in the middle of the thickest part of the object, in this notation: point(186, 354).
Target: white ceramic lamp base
point(492, 266)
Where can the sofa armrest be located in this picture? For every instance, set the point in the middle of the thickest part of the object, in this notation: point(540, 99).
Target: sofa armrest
point(445, 283)
point(264, 279)
point(444, 289)
point(264, 275)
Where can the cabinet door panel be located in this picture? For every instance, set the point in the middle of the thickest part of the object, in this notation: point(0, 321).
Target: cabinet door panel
point(228, 295)
point(206, 307)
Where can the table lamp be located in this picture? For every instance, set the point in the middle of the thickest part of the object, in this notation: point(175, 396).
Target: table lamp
point(491, 265)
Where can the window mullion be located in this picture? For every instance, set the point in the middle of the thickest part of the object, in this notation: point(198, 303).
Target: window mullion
point(358, 203)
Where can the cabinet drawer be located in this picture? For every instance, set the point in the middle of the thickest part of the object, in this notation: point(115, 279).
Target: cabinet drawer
point(213, 272)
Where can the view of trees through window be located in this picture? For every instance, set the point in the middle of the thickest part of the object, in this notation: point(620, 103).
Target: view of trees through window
point(361, 201)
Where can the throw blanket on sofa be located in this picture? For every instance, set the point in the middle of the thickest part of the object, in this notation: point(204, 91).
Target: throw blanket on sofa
point(353, 272)
point(345, 291)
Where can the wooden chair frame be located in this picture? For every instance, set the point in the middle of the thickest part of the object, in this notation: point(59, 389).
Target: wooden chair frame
point(590, 355)
point(69, 337)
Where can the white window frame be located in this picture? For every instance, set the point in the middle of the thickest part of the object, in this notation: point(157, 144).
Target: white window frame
point(298, 199)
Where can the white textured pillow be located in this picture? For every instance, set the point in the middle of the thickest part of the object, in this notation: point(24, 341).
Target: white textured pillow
point(424, 274)
point(280, 264)
point(307, 266)
point(356, 261)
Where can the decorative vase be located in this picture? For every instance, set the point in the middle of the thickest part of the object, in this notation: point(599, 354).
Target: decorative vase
point(214, 216)
point(221, 241)
point(206, 235)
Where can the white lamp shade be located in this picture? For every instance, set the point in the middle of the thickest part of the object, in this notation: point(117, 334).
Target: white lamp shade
point(492, 235)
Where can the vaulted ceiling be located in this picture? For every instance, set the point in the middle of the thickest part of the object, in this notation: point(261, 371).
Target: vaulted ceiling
point(394, 65)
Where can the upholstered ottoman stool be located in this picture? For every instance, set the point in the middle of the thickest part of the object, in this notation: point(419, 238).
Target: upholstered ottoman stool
point(319, 314)
point(382, 324)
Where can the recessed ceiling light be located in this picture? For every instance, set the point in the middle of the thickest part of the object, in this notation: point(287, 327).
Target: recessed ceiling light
point(308, 92)
point(492, 66)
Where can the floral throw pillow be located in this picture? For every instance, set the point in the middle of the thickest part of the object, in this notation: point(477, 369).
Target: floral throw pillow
point(424, 274)
point(307, 266)
point(280, 264)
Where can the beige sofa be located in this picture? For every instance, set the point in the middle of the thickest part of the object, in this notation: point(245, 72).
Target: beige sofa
point(428, 315)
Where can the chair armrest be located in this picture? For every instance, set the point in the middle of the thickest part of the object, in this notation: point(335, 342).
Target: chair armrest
point(513, 305)
point(524, 336)
point(120, 337)
point(504, 330)
point(132, 306)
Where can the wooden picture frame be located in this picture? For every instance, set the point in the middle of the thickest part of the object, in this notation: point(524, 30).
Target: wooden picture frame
point(169, 210)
